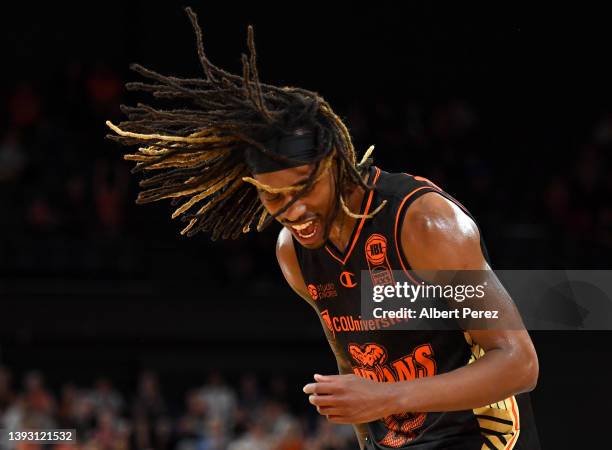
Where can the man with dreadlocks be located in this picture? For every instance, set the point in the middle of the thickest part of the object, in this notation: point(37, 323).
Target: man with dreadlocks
point(240, 153)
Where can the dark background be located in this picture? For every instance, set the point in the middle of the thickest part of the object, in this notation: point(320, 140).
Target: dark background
point(509, 110)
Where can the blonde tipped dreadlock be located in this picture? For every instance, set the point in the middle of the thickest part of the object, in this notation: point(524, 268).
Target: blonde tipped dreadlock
point(273, 190)
point(199, 149)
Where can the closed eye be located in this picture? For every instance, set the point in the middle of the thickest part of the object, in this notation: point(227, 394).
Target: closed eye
point(271, 197)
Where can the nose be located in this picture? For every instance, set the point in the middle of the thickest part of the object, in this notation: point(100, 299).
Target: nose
point(295, 212)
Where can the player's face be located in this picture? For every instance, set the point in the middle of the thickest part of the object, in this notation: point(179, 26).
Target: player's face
point(308, 218)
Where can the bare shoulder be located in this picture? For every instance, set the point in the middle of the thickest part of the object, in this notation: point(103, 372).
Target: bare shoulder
point(285, 252)
point(437, 234)
point(288, 262)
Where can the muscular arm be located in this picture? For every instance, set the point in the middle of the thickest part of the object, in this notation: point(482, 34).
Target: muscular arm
point(437, 235)
point(287, 259)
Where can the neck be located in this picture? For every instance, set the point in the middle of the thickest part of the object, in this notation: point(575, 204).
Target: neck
point(342, 227)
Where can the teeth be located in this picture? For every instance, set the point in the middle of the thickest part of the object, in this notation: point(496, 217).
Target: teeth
point(301, 227)
point(306, 236)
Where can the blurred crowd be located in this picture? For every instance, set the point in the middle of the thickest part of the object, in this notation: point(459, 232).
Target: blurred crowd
point(213, 416)
point(542, 194)
point(67, 195)
point(541, 190)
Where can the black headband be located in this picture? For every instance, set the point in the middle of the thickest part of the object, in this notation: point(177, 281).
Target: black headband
point(299, 147)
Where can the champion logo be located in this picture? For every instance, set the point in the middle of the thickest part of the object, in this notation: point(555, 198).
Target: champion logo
point(347, 279)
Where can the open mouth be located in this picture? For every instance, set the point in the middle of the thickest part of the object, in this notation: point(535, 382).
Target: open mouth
point(306, 230)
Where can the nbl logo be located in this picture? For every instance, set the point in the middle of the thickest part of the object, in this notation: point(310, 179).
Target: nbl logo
point(376, 249)
point(376, 255)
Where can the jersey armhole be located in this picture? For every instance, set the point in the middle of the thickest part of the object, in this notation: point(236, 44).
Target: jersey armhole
point(397, 229)
point(399, 220)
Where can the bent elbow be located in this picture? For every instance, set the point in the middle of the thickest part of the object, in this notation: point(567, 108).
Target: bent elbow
point(530, 370)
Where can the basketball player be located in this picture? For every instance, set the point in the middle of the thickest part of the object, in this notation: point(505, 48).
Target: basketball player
point(237, 153)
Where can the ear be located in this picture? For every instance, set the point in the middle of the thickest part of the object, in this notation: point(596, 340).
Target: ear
point(335, 172)
point(335, 166)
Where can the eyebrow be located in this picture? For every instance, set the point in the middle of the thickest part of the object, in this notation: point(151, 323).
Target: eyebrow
point(300, 182)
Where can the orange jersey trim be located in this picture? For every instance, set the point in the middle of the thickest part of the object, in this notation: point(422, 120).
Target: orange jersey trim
point(516, 425)
point(395, 236)
point(356, 237)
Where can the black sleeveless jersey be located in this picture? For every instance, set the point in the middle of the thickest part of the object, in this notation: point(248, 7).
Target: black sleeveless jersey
point(332, 279)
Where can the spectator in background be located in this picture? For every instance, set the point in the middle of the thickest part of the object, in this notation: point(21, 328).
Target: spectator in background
point(7, 396)
point(105, 396)
point(163, 434)
point(254, 439)
point(12, 419)
point(83, 414)
point(216, 436)
point(276, 419)
point(142, 433)
point(291, 439)
point(268, 423)
point(147, 435)
point(149, 402)
point(192, 427)
point(66, 411)
point(38, 402)
point(249, 400)
point(110, 433)
point(249, 396)
point(330, 437)
point(278, 388)
point(220, 399)
point(151, 426)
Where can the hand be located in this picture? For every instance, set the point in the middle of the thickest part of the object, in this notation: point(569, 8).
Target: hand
point(349, 398)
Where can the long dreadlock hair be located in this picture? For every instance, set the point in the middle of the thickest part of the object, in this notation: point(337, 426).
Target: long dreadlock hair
point(198, 150)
